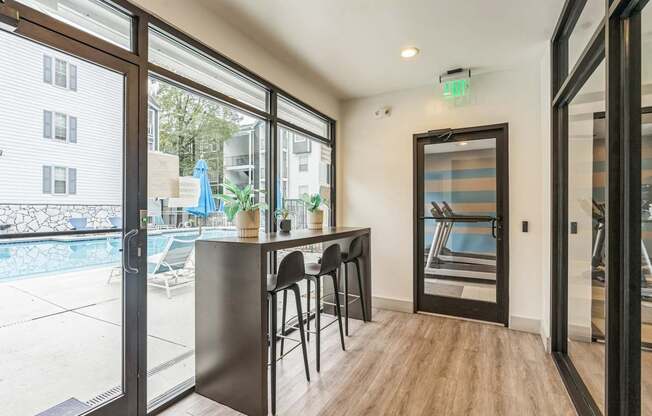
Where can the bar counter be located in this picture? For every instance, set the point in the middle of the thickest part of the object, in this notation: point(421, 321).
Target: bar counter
point(231, 310)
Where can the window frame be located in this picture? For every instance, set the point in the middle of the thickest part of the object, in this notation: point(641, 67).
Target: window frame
point(617, 41)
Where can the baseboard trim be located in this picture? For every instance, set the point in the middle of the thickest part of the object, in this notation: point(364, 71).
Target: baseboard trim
point(392, 304)
point(525, 324)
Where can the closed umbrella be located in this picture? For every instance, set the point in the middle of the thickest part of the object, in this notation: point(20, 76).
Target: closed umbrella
point(206, 204)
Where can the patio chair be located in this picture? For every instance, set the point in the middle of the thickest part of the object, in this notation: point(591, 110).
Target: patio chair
point(165, 267)
point(116, 222)
point(78, 223)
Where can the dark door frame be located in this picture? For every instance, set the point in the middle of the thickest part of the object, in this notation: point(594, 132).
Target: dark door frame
point(473, 309)
point(133, 283)
point(617, 42)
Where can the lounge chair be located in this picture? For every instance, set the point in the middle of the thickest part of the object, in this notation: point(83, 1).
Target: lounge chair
point(116, 222)
point(78, 223)
point(167, 266)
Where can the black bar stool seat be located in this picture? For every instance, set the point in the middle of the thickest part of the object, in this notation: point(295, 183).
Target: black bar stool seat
point(330, 264)
point(354, 255)
point(291, 271)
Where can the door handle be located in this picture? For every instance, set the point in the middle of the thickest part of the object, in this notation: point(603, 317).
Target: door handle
point(126, 250)
point(493, 228)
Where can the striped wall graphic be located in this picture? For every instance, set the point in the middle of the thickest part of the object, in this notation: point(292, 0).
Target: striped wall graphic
point(466, 180)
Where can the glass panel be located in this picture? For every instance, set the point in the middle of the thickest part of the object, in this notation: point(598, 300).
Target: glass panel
point(174, 55)
point(587, 179)
point(61, 324)
point(589, 21)
point(300, 117)
point(646, 214)
point(305, 170)
point(97, 17)
point(460, 196)
point(193, 131)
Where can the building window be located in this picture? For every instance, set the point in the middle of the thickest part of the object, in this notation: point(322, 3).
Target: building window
point(47, 69)
point(65, 73)
point(61, 73)
point(59, 126)
point(303, 163)
point(59, 180)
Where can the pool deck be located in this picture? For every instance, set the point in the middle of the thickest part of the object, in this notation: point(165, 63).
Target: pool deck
point(61, 335)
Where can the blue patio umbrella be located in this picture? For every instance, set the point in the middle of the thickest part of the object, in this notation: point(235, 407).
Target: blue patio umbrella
point(206, 204)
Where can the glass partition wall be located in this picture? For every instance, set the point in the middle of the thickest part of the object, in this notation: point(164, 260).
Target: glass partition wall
point(601, 335)
point(127, 304)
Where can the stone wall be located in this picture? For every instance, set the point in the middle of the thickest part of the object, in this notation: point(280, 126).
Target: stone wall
point(50, 217)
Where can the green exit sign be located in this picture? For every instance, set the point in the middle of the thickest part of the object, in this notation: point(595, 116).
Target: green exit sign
point(456, 88)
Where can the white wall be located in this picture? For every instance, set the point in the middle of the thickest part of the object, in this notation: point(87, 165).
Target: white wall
point(376, 174)
point(546, 201)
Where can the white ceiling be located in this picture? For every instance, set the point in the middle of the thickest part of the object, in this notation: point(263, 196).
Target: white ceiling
point(352, 46)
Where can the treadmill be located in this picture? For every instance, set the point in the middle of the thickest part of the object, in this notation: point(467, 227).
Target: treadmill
point(460, 266)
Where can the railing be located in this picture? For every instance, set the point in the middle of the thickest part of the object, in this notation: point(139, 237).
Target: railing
point(238, 160)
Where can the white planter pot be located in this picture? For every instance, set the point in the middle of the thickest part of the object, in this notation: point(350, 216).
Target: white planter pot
point(247, 223)
point(315, 219)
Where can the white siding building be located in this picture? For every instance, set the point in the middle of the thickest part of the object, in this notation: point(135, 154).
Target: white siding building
point(61, 139)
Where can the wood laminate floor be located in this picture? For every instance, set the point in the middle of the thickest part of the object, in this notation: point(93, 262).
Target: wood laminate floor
point(406, 364)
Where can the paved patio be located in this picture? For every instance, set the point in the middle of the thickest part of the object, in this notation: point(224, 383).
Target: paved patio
point(61, 337)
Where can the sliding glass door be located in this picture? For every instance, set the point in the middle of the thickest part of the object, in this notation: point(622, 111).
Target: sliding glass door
point(69, 227)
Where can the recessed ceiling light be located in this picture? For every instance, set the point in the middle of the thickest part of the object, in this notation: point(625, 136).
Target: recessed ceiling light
point(410, 52)
point(462, 143)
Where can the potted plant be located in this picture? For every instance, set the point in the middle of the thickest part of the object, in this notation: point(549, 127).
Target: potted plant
point(284, 223)
point(239, 205)
point(313, 204)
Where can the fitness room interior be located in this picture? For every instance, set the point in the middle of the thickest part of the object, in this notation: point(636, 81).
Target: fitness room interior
point(325, 207)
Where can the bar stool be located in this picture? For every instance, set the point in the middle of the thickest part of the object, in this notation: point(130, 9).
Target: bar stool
point(353, 256)
point(331, 261)
point(290, 272)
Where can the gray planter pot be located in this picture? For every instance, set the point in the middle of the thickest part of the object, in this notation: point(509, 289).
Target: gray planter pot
point(285, 226)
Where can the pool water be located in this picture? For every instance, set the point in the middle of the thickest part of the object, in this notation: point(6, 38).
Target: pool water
point(33, 258)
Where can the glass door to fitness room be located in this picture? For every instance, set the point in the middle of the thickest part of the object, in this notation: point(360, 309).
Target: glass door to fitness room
point(69, 272)
point(461, 222)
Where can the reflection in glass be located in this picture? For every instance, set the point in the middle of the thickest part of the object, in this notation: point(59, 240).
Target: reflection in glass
point(589, 20)
point(301, 117)
point(97, 17)
point(191, 136)
point(170, 53)
point(587, 155)
point(460, 195)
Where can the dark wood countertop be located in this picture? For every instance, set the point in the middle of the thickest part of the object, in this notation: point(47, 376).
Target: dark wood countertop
point(295, 238)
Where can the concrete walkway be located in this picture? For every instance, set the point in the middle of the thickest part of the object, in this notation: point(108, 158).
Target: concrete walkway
point(61, 338)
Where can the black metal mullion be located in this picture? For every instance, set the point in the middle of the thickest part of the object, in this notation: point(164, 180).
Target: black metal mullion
point(623, 343)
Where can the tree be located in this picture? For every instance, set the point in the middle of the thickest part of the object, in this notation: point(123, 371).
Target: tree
point(193, 127)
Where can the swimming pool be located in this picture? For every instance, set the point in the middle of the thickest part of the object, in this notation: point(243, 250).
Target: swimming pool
point(33, 258)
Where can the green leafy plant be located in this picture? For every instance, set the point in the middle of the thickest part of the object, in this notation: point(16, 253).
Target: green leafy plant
point(313, 202)
point(282, 213)
point(239, 199)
